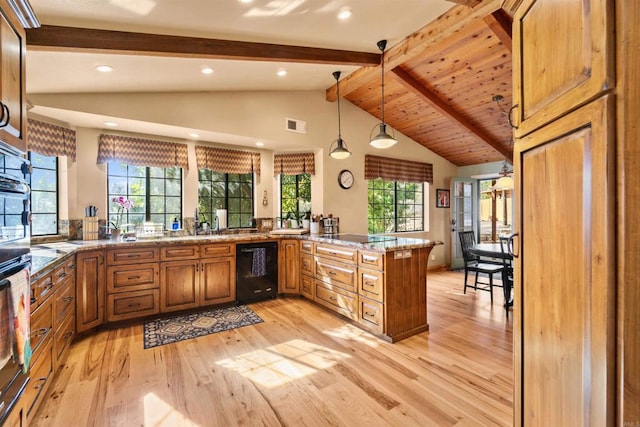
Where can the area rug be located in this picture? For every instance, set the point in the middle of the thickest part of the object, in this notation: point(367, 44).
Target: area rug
point(193, 325)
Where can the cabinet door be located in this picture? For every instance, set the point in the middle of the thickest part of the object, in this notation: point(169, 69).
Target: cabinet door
point(289, 266)
point(564, 326)
point(90, 290)
point(179, 285)
point(12, 88)
point(563, 58)
point(218, 281)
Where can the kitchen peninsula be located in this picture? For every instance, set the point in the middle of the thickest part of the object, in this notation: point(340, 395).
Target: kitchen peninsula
point(380, 282)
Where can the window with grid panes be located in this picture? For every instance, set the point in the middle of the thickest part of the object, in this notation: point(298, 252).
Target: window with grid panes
point(395, 206)
point(230, 191)
point(295, 195)
point(44, 194)
point(155, 192)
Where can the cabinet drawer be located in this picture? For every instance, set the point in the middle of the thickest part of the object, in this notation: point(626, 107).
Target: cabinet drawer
point(337, 299)
point(40, 374)
point(342, 275)
point(63, 303)
point(63, 337)
point(371, 314)
point(131, 305)
point(371, 260)
point(371, 284)
point(306, 247)
point(213, 250)
point(336, 252)
point(179, 252)
point(306, 286)
point(42, 290)
point(132, 255)
point(136, 277)
point(307, 264)
point(65, 270)
point(41, 325)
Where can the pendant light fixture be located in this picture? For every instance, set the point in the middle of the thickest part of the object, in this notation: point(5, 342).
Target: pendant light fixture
point(340, 151)
point(382, 139)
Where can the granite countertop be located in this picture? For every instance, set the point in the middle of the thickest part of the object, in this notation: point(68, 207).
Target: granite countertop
point(47, 255)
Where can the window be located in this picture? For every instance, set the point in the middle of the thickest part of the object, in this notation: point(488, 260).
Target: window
point(44, 194)
point(395, 206)
point(230, 191)
point(295, 195)
point(155, 192)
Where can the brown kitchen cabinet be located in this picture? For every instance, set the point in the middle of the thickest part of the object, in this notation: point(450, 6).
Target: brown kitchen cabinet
point(192, 281)
point(289, 266)
point(13, 97)
point(575, 222)
point(90, 290)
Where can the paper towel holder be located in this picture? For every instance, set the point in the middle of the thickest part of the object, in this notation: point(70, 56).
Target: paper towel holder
point(265, 200)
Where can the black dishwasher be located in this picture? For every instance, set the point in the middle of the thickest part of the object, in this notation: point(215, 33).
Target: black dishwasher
point(256, 271)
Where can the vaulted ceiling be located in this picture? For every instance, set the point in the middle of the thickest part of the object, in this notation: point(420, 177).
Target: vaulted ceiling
point(440, 81)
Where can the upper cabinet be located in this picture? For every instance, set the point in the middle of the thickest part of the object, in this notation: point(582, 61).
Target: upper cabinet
point(15, 16)
point(568, 60)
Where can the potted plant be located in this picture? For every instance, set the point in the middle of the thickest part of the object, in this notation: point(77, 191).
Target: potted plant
point(122, 204)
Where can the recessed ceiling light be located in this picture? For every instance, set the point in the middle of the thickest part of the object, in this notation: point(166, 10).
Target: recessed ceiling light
point(111, 124)
point(282, 72)
point(260, 144)
point(246, 1)
point(194, 135)
point(344, 13)
point(207, 70)
point(104, 68)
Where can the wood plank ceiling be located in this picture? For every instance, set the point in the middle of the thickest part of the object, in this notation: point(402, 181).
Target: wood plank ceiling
point(439, 81)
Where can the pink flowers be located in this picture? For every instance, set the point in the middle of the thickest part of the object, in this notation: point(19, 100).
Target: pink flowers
point(123, 204)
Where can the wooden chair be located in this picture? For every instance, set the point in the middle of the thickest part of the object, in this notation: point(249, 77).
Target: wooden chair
point(473, 263)
point(506, 246)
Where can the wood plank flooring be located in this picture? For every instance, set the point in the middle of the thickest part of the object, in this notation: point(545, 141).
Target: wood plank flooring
point(303, 366)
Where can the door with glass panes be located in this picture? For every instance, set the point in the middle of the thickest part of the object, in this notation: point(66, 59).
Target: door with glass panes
point(463, 215)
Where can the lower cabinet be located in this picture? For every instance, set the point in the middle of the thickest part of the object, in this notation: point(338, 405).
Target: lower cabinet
point(191, 283)
point(132, 305)
point(179, 285)
point(289, 266)
point(90, 290)
point(40, 375)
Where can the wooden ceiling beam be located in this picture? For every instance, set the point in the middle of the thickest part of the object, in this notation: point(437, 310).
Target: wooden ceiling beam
point(500, 23)
point(415, 87)
point(468, 3)
point(448, 24)
point(69, 39)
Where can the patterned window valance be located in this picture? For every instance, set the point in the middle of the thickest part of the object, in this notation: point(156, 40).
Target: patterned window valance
point(50, 140)
point(397, 170)
point(227, 161)
point(294, 164)
point(142, 152)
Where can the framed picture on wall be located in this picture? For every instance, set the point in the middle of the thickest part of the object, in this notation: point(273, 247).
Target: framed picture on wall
point(442, 198)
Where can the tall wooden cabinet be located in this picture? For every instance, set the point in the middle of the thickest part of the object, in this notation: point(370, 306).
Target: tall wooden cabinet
point(90, 290)
point(573, 117)
point(15, 16)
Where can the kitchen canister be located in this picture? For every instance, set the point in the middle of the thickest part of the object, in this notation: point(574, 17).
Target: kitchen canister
point(221, 214)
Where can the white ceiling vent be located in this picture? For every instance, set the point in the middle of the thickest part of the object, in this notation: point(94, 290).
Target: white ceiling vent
point(293, 125)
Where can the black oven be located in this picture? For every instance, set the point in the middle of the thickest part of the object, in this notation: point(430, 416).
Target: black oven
point(15, 266)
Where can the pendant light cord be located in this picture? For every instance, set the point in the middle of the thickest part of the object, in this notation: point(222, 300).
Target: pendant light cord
point(336, 75)
point(382, 47)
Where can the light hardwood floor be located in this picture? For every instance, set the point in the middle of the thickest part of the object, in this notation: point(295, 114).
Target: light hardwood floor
point(302, 367)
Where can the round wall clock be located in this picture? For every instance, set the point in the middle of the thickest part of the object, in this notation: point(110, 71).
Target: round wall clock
point(345, 179)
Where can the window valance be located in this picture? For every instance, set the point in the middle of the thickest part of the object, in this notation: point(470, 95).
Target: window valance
point(294, 164)
point(51, 140)
point(397, 169)
point(142, 152)
point(223, 160)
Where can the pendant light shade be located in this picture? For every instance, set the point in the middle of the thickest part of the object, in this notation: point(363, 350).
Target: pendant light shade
point(338, 149)
point(382, 139)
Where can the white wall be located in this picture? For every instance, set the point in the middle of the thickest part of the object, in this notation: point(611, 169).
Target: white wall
point(260, 115)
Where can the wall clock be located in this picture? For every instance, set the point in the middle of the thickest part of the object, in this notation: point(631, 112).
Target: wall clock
point(345, 179)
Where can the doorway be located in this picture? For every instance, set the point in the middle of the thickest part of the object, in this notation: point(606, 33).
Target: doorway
point(495, 211)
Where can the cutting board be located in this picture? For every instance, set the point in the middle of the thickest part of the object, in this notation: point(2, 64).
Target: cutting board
point(290, 231)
